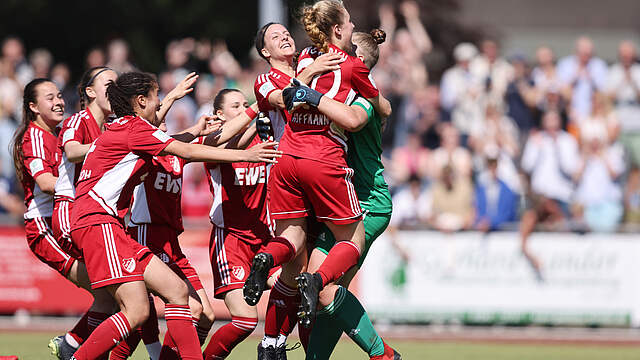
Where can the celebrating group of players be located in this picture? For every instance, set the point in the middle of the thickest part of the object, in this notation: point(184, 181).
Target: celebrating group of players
point(103, 199)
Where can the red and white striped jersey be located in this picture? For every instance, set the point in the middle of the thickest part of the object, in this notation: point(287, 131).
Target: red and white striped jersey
point(265, 84)
point(157, 199)
point(80, 127)
point(116, 162)
point(39, 157)
point(310, 134)
point(240, 198)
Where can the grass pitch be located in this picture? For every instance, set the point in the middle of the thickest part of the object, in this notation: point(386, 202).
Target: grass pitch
point(32, 346)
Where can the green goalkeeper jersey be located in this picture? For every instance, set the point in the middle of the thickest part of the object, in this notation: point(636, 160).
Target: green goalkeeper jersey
point(364, 156)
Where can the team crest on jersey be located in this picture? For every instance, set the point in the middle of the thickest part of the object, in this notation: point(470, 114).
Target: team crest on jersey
point(176, 165)
point(238, 272)
point(129, 264)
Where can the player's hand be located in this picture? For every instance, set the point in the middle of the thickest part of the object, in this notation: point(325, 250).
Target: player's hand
point(263, 152)
point(183, 88)
point(297, 95)
point(325, 63)
point(264, 128)
point(208, 124)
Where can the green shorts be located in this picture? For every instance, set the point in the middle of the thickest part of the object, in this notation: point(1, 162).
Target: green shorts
point(374, 226)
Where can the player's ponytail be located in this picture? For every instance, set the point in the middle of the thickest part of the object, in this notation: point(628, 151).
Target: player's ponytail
point(28, 116)
point(86, 80)
point(318, 20)
point(121, 93)
point(368, 43)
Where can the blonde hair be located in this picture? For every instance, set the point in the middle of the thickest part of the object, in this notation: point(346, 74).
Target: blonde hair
point(368, 44)
point(318, 20)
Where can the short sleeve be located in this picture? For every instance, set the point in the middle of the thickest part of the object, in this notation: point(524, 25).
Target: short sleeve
point(148, 139)
point(71, 134)
point(365, 105)
point(305, 59)
point(262, 88)
point(34, 160)
point(362, 80)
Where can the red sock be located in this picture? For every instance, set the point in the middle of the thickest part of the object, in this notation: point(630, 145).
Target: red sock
point(340, 259)
point(169, 349)
point(228, 336)
point(104, 338)
point(149, 329)
point(126, 348)
point(281, 316)
point(281, 249)
point(182, 331)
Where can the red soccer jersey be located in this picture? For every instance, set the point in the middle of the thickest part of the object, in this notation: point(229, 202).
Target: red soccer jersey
point(310, 134)
point(39, 157)
point(117, 161)
point(265, 84)
point(157, 199)
point(240, 198)
point(80, 127)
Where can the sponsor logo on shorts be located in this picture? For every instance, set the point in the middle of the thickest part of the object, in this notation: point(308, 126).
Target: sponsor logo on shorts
point(238, 272)
point(129, 264)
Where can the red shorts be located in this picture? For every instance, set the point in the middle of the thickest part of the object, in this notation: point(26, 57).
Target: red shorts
point(163, 242)
point(111, 256)
point(231, 259)
point(45, 247)
point(297, 186)
point(61, 226)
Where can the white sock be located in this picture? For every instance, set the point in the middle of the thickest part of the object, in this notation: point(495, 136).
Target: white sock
point(282, 339)
point(269, 341)
point(71, 340)
point(154, 350)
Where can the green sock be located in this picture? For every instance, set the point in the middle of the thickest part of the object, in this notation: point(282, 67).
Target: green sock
point(355, 322)
point(325, 334)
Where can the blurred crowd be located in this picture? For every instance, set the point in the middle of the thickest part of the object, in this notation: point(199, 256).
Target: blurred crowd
point(499, 142)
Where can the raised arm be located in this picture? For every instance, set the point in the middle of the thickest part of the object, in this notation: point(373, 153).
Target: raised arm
point(182, 89)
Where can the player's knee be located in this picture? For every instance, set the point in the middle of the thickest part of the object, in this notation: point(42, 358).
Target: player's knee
point(179, 293)
point(195, 307)
point(137, 313)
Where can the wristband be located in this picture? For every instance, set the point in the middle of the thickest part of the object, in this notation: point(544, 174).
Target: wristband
point(251, 113)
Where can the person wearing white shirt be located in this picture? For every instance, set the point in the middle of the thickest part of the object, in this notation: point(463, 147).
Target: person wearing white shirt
point(583, 73)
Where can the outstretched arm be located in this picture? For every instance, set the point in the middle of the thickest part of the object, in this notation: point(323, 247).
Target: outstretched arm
point(183, 88)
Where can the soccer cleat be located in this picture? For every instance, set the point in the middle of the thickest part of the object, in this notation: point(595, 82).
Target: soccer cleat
point(389, 354)
point(257, 279)
point(309, 286)
point(267, 353)
point(60, 348)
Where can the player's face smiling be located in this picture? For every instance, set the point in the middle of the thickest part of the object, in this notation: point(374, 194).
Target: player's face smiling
point(150, 106)
point(278, 42)
point(49, 103)
point(234, 104)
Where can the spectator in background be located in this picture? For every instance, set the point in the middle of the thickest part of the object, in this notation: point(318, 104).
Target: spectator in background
point(623, 86)
point(521, 98)
point(95, 57)
point(582, 74)
point(61, 76)
point(494, 72)
point(599, 194)
point(544, 75)
point(41, 61)
point(602, 113)
point(450, 154)
point(204, 94)
point(461, 93)
point(452, 202)
point(118, 56)
point(7, 129)
point(550, 158)
point(495, 203)
point(632, 197)
point(14, 56)
point(183, 111)
point(409, 160)
point(497, 134)
point(420, 112)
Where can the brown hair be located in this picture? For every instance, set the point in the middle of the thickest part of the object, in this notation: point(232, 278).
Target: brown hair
point(318, 20)
point(368, 43)
point(218, 101)
point(28, 116)
point(86, 80)
point(126, 87)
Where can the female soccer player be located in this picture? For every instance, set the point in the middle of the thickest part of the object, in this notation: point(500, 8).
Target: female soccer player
point(345, 313)
point(240, 225)
point(116, 162)
point(274, 44)
point(313, 173)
